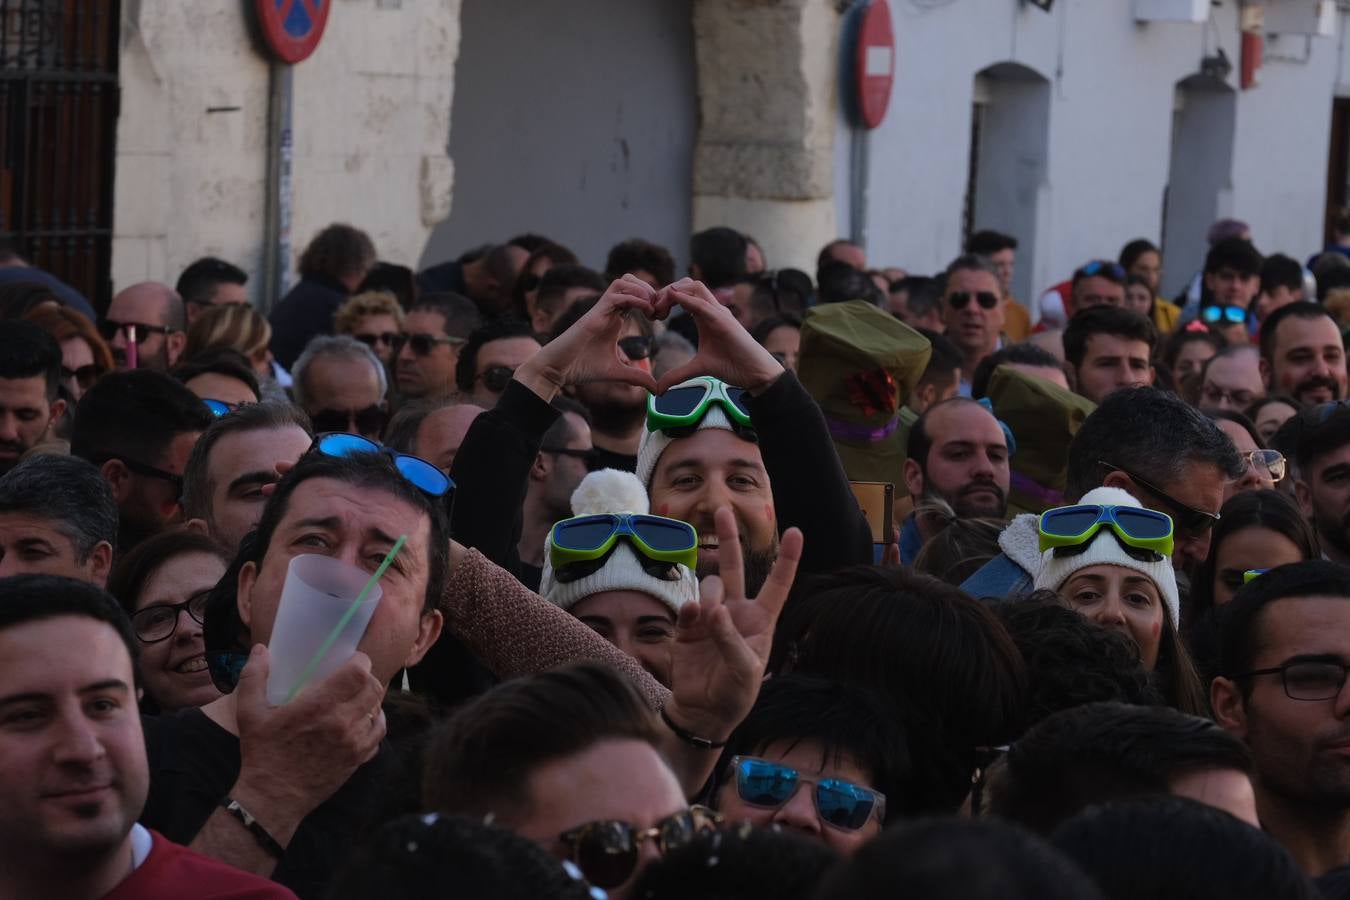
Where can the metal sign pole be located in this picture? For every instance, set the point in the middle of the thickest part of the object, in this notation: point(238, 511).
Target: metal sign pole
point(277, 222)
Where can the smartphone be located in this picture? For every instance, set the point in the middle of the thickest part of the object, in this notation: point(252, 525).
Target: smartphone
point(876, 499)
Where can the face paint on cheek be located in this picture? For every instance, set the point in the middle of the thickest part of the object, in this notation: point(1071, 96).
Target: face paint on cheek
point(663, 510)
point(1155, 629)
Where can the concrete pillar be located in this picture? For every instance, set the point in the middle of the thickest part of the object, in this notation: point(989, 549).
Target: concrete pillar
point(767, 86)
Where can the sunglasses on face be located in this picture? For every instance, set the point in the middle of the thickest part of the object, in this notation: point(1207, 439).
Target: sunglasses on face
point(840, 804)
point(1230, 315)
point(84, 376)
point(496, 378)
point(139, 332)
point(370, 420)
point(423, 344)
point(607, 851)
point(388, 338)
point(1188, 519)
point(420, 473)
point(636, 347)
point(145, 470)
point(986, 299)
point(158, 622)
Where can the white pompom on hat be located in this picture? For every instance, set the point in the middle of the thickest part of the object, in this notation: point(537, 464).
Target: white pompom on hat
point(654, 443)
point(1106, 550)
point(615, 491)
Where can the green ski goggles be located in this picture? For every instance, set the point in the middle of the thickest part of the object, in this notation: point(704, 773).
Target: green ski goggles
point(686, 405)
point(1075, 526)
point(579, 546)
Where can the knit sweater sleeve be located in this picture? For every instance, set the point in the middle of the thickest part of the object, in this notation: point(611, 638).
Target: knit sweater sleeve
point(516, 632)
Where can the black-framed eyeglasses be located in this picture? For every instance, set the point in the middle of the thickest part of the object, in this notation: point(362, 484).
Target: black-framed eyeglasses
point(496, 378)
point(388, 338)
point(84, 376)
point(584, 455)
point(109, 328)
point(986, 299)
point(158, 622)
point(638, 346)
point(1187, 518)
point(1307, 679)
point(421, 344)
point(370, 420)
point(144, 469)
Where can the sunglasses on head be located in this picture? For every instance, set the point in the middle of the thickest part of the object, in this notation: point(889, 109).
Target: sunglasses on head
point(84, 376)
point(139, 332)
point(419, 473)
point(388, 338)
point(986, 299)
point(370, 420)
point(607, 851)
point(636, 347)
point(840, 804)
point(1232, 315)
point(422, 344)
point(496, 378)
point(1104, 268)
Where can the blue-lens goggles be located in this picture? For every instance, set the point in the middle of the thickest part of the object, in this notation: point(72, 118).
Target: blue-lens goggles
point(1233, 315)
point(840, 804)
point(420, 473)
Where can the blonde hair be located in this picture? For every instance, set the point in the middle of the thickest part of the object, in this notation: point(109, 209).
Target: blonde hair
point(1337, 303)
point(370, 303)
point(236, 326)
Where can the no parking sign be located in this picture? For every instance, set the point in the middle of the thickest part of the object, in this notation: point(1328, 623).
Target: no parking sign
point(292, 28)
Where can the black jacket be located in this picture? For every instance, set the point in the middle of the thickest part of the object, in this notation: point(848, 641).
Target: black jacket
point(306, 310)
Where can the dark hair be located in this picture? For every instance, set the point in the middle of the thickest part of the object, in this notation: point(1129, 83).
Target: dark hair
point(780, 293)
point(362, 470)
point(530, 241)
point(1300, 309)
point(26, 351)
point(1250, 509)
point(637, 255)
point(960, 546)
point(401, 432)
point(847, 721)
point(826, 254)
point(1233, 253)
point(1145, 430)
point(561, 431)
point(1130, 253)
point(556, 254)
point(1070, 660)
point(738, 864)
point(920, 443)
point(391, 278)
point(1279, 270)
point(837, 282)
point(557, 281)
point(338, 252)
point(987, 243)
point(958, 859)
point(478, 763)
point(69, 493)
point(434, 855)
point(224, 361)
point(939, 656)
point(770, 324)
point(36, 598)
point(583, 305)
point(1318, 438)
point(197, 486)
point(466, 367)
point(719, 254)
point(1178, 341)
point(132, 571)
point(943, 362)
point(1228, 415)
point(1239, 629)
point(499, 262)
point(1335, 884)
point(1021, 354)
point(19, 298)
point(922, 293)
point(1171, 848)
point(1105, 752)
point(135, 414)
point(460, 313)
point(1116, 321)
point(198, 283)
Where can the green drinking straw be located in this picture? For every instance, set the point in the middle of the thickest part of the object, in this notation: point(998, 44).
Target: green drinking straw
point(346, 617)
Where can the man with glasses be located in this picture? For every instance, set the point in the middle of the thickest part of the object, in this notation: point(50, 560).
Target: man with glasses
point(490, 358)
point(30, 375)
point(972, 309)
point(1284, 648)
point(146, 327)
point(139, 428)
point(341, 385)
point(561, 464)
point(1231, 380)
point(57, 517)
point(1323, 485)
point(434, 334)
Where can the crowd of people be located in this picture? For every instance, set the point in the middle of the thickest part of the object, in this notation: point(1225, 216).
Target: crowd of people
point(749, 583)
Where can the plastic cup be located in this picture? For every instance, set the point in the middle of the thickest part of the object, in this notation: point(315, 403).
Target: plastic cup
point(318, 592)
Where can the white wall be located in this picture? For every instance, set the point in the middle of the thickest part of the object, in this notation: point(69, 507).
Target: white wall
point(1111, 88)
point(575, 120)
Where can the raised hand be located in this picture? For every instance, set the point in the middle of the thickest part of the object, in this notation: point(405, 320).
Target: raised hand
point(725, 349)
point(722, 640)
point(589, 350)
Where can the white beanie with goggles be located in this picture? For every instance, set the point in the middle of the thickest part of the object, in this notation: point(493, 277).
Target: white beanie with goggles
point(1106, 550)
point(614, 491)
point(654, 443)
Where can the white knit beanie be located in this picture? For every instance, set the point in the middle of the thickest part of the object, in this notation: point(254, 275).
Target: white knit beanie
point(615, 491)
point(654, 443)
point(1106, 550)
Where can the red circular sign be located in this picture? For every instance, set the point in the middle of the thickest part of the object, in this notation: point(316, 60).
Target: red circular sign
point(875, 63)
point(292, 28)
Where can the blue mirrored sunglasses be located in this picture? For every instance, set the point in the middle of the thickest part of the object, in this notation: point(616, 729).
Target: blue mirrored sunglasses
point(420, 473)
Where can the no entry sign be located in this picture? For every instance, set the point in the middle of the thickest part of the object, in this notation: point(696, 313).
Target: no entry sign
point(874, 63)
point(292, 28)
